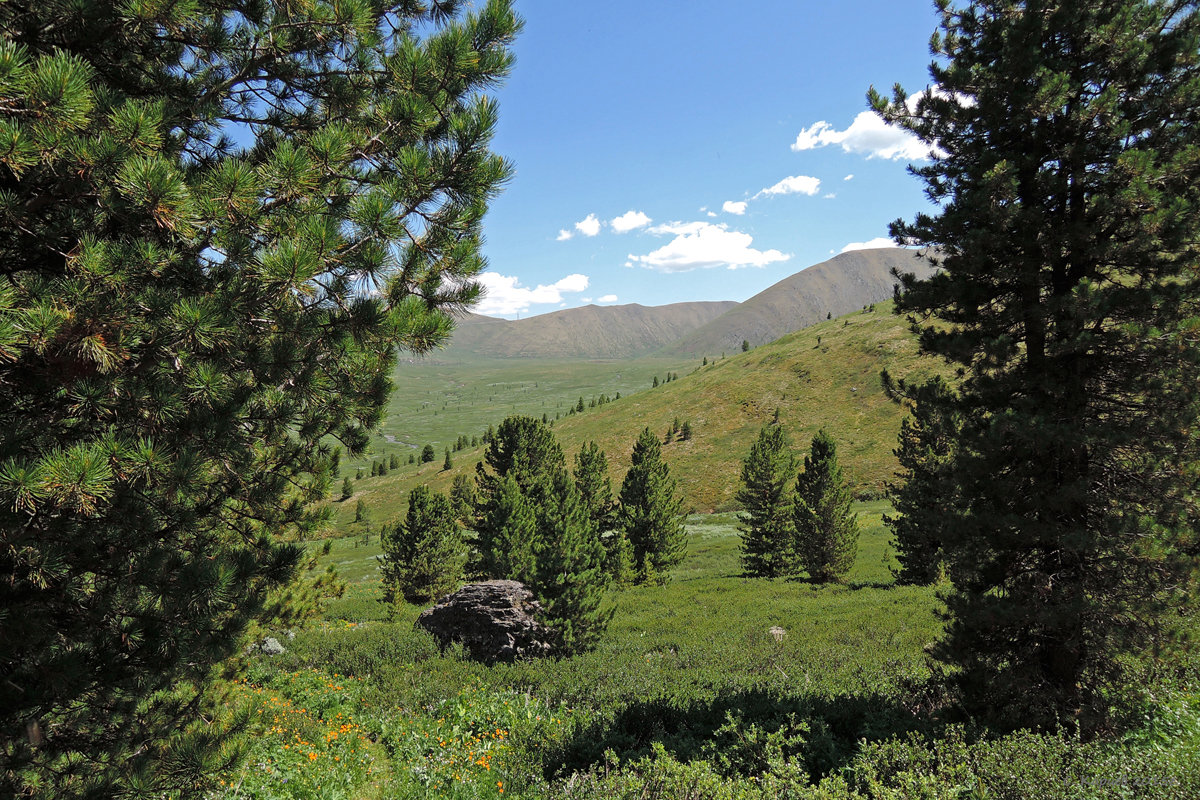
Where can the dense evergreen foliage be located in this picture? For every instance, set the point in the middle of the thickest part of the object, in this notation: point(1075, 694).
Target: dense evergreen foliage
point(569, 578)
point(766, 497)
point(650, 512)
point(925, 493)
point(423, 556)
point(197, 199)
point(825, 528)
point(1067, 180)
point(595, 492)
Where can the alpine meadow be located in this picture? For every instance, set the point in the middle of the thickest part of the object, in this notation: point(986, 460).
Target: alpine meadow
point(311, 490)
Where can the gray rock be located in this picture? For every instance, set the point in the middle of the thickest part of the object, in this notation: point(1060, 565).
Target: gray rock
point(493, 620)
point(271, 647)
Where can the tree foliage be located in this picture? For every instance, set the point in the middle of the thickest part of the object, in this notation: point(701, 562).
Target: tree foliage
point(925, 496)
point(569, 577)
point(197, 200)
point(595, 492)
point(423, 556)
point(650, 511)
point(826, 530)
point(1067, 184)
point(767, 528)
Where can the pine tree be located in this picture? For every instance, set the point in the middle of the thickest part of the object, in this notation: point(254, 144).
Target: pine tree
point(745, 345)
point(412, 458)
point(464, 498)
point(505, 534)
point(423, 556)
point(393, 462)
point(1068, 197)
point(448, 464)
point(347, 488)
point(360, 511)
point(767, 528)
point(825, 528)
point(685, 431)
point(579, 405)
point(358, 475)
point(569, 578)
point(925, 496)
point(427, 454)
point(650, 512)
point(595, 492)
point(184, 333)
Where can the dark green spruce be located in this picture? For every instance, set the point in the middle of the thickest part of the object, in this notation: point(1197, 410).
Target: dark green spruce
point(825, 527)
point(423, 556)
point(765, 496)
point(650, 512)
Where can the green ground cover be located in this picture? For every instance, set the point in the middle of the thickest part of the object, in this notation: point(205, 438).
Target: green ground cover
point(687, 696)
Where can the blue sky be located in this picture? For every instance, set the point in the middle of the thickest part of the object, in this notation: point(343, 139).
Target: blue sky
point(678, 150)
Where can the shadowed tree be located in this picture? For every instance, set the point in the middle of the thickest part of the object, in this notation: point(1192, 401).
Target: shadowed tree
point(1067, 190)
point(595, 492)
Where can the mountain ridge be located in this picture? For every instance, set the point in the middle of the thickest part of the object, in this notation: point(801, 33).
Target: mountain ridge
point(837, 286)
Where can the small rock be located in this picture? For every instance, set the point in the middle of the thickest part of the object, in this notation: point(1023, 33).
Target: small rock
point(271, 647)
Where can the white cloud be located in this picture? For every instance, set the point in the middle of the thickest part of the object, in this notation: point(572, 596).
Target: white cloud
point(563, 235)
point(703, 245)
point(504, 294)
point(849, 177)
point(711, 213)
point(868, 134)
point(829, 196)
point(608, 298)
point(881, 241)
point(630, 220)
point(796, 184)
point(589, 225)
point(732, 207)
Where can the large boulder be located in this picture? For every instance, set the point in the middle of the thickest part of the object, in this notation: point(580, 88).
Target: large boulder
point(493, 620)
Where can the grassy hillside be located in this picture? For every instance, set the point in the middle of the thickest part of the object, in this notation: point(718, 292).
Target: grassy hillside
point(826, 376)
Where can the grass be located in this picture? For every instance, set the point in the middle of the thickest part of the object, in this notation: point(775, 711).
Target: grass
point(688, 695)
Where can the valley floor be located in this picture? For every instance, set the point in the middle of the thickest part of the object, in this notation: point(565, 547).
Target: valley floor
point(688, 696)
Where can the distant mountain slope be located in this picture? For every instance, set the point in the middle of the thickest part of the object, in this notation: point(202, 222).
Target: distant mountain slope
point(626, 331)
point(838, 286)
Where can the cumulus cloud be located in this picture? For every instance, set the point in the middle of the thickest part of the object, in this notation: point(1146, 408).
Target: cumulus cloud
point(504, 294)
point(703, 245)
point(733, 207)
point(608, 298)
point(630, 220)
point(881, 241)
point(868, 134)
point(849, 177)
point(796, 184)
point(563, 235)
point(589, 225)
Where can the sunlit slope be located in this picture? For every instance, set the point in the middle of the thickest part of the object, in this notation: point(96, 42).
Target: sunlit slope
point(825, 376)
point(841, 285)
